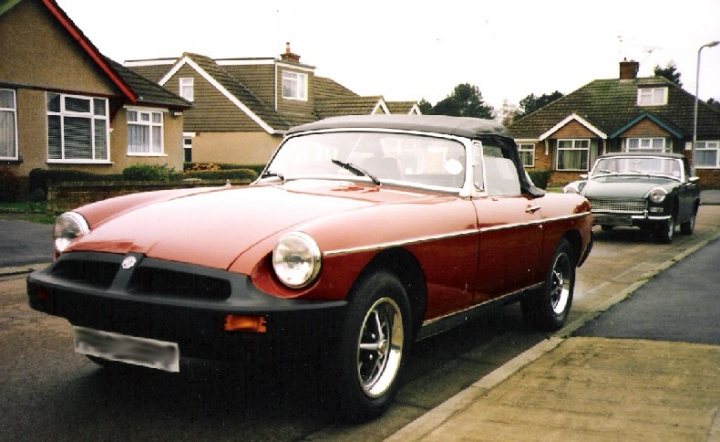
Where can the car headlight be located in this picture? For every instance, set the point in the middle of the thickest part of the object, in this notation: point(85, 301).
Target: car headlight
point(296, 259)
point(68, 227)
point(570, 188)
point(657, 195)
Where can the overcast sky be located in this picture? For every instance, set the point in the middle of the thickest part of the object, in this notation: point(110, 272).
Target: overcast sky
point(408, 50)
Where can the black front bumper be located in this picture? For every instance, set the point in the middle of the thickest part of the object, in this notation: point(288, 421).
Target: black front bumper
point(176, 302)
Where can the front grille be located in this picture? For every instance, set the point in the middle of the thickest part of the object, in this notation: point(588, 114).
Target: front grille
point(98, 274)
point(618, 206)
point(148, 280)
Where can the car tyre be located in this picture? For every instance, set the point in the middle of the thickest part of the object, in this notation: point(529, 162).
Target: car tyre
point(666, 231)
point(374, 343)
point(688, 226)
point(547, 308)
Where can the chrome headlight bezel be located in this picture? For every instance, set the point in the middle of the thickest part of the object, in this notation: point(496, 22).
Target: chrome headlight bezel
point(68, 228)
point(296, 260)
point(657, 195)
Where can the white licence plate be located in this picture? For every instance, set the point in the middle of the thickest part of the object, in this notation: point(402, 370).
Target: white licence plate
point(151, 353)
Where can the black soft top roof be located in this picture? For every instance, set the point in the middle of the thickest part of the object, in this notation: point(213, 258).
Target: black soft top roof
point(459, 126)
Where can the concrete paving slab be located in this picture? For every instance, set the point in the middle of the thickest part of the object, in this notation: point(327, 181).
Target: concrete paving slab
point(590, 389)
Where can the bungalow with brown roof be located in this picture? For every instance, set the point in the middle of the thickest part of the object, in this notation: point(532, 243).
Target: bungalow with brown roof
point(243, 106)
point(626, 114)
point(63, 105)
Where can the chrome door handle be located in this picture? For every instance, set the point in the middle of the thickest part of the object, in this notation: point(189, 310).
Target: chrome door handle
point(532, 209)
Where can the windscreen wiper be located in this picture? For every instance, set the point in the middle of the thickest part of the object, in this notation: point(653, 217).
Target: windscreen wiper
point(356, 170)
point(270, 174)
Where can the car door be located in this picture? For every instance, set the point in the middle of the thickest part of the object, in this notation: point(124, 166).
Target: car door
point(687, 195)
point(510, 231)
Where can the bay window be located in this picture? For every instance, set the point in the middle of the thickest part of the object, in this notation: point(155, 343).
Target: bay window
point(77, 128)
point(645, 145)
point(145, 132)
point(573, 155)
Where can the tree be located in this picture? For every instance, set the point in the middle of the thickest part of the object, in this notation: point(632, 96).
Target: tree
point(425, 106)
point(713, 103)
point(670, 72)
point(531, 103)
point(465, 101)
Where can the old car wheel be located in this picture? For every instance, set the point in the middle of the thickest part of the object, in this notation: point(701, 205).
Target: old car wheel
point(666, 231)
point(688, 226)
point(373, 346)
point(547, 308)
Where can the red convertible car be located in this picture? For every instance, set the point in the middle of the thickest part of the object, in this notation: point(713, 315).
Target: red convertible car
point(363, 233)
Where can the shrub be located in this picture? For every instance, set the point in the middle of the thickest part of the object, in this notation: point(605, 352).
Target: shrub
point(540, 178)
point(233, 174)
point(148, 172)
point(10, 185)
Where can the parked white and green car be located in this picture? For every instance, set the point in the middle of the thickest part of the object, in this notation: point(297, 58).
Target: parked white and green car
point(653, 191)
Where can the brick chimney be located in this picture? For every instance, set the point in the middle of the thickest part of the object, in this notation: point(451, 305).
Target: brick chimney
point(629, 69)
point(289, 55)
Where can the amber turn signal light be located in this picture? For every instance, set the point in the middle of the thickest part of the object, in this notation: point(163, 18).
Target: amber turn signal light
point(250, 324)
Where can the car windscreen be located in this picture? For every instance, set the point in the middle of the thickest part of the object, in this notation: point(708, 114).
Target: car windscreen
point(656, 166)
point(388, 157)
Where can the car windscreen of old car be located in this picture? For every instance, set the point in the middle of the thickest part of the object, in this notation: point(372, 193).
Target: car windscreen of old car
point(389, 157)
point(655, 166)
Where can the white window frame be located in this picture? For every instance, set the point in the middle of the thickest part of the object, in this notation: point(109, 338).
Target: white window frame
point(652, 96)
point(149, 124)
point(527, 148)
point(187, 88)
point(94, 119)
point(573, 148)
point(297, 83)
point(708, 146)
point(12, 110)
point(645, 144)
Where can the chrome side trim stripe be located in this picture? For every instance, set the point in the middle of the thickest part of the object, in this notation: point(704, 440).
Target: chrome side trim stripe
point(422, 239)
point(380, 246)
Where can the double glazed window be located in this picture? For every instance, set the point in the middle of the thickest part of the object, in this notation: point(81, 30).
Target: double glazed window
point(573, 154)
point(294, 85)
point(652, 96)
point(8, 125)
point(77, 128)
point(527, 154)
point(187, 88)
point(145, 132)
point(645, 145)
point(707, 154)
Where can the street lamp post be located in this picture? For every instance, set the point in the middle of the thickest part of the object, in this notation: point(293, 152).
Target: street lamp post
point(697, 91)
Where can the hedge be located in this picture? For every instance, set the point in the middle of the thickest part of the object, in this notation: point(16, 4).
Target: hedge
point(540, 178)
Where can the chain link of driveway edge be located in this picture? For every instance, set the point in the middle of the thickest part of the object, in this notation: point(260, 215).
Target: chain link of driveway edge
point(429, 421)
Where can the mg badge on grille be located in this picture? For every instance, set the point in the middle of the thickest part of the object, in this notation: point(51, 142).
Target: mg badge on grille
point(129, 262)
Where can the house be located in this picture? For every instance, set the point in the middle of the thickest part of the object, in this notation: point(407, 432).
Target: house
point(242, 107)
point(63, 105)
point(618, 115)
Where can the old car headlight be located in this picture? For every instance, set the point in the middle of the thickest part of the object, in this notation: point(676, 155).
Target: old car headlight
point(68, 227)
point(657, 195)
point(296, 259)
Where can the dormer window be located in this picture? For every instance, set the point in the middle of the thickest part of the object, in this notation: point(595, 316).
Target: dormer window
point(652, 96)
point(294, 85)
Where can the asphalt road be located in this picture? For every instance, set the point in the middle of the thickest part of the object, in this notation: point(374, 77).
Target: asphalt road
point(680, 304)
point(23, 242)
